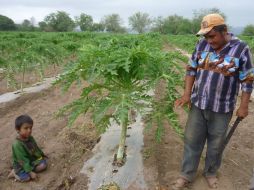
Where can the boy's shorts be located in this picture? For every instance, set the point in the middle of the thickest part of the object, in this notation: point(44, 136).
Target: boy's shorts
point(24, 176)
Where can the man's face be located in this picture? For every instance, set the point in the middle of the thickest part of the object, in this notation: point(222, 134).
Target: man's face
point(216, 39)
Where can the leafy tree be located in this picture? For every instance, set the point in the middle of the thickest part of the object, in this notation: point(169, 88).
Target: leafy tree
point(26, 23)
point(199, 14)
point(85, 22)
point(158, 25)
point(112, 23)
point(26, 26)
point(184, 26)
point(172, 25)
point(6, 23)
point(140, 22)
point(98, 27)
point(60, 21)
point(248, 30)
point(42, 25)
point(176, 25)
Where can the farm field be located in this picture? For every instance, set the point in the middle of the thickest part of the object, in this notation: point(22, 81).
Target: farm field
point(27, 58)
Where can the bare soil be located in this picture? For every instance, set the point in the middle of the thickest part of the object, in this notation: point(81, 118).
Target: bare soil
point(67, 148)
point(164, 159)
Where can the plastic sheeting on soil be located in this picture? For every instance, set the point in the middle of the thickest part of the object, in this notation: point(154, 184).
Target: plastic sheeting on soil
point(47, 82)
point(99, 168)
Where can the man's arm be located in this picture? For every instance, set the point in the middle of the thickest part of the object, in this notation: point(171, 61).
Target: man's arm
point(185, 99)
point(242, 111)
point(191, 71)
point(246, 78)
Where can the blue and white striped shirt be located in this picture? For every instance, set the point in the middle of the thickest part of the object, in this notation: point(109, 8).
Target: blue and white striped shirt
point(217, 76)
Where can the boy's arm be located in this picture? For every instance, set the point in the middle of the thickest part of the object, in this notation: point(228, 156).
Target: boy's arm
point(38, 148)
point(20, 155)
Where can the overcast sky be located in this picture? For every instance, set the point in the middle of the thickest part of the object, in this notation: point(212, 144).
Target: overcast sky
point(238, 12)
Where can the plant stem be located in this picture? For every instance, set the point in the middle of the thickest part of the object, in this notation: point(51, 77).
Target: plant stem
point(120, 152)
point(23, 78)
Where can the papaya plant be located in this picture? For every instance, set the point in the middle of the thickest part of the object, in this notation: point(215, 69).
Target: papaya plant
point(21, 53)
point(6, 63)
point(120, 72)
point(26, 60)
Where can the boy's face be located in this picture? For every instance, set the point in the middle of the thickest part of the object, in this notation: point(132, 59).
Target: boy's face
point(25, 130)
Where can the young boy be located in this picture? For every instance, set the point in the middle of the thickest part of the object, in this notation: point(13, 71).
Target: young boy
point(28, 158)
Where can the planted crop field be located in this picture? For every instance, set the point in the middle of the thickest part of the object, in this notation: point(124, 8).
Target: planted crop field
point(112, 100)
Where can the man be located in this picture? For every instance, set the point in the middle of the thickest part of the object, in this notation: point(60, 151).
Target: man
point(219, 64)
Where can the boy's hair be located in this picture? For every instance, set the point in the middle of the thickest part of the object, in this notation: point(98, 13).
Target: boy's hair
point(220, 28)
point(20, 120)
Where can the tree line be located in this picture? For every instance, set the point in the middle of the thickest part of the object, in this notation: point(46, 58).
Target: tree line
point(139, 22)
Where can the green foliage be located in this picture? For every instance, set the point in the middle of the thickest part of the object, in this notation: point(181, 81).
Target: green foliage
point(158, 25)
point(23, 52)
point(140, 22)
point(110, 186)
point(173, 25)
point(85, 22)
point(98, 27)
point(26, 25)
point(9, 75)
point(44, 27)
point(250, 41)
point(59, 21)
point(163, 108)
point(112, 23)
point(121, 71)
point(248, 30)
point(6, 24)
point(185, 42)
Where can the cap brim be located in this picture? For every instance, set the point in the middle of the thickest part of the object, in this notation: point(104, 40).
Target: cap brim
point(204, 31)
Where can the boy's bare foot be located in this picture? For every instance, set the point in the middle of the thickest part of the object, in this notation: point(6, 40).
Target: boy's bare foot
point(212, 182)
point(33, 175)
point(180, 183)
point(11, 174)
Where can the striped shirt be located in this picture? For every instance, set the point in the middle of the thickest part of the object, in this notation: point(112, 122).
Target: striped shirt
point(218, 76)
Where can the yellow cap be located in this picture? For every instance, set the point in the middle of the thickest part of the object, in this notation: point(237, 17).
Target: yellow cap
point(209, 21)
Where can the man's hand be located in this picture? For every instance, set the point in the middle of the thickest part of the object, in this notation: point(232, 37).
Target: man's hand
point(182, 101)
point(185, 99)
point(242, 112)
